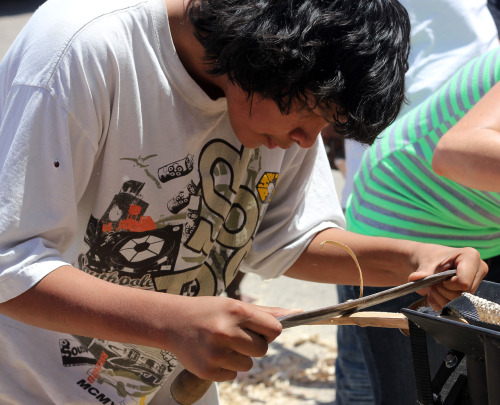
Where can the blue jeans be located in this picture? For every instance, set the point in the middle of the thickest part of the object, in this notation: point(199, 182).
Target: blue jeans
point(375, 365)
point(353, 384)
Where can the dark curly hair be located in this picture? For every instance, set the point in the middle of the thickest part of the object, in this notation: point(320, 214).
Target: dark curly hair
point(347, 57)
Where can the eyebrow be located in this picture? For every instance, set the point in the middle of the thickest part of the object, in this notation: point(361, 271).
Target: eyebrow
point(321, 112)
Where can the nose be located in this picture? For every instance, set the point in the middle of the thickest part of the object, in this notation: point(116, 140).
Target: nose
point(306, 138)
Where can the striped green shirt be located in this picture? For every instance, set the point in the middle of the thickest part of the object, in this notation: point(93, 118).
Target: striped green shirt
point(397, 194)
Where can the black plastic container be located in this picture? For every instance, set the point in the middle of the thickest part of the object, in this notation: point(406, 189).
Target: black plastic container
point(476, 347)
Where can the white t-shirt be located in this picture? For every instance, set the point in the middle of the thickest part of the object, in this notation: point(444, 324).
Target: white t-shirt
point(114, 160)
point(445, 35)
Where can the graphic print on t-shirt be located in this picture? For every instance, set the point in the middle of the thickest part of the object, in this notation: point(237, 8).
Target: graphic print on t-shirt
point(125, 246)
point(179, 168)
point(181, 226)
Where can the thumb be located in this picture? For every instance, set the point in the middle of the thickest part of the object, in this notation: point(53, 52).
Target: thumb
point(277, 311)
point(418, 275)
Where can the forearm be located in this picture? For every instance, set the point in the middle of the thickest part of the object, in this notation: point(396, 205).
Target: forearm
point(471, 158)
point(214, 337)
point(383, 261)
point(71, 301)
point(469, 153)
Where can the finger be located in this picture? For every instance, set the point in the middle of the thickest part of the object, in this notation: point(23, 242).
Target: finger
point(424, 292)
point(437, 300)
point(442, 295)
point(461, 282)
point(467, 280)
point(250, 343)
point(453, 288)
point(481, 273)
point(236, 362)
point(419, 274)
point(444, 292)
point(221, 375)
point(470, 270)
point(262, 323)
point(479, 277)
point(277, 311)
point(428, 271)
point(209, 370)
point(223, 365)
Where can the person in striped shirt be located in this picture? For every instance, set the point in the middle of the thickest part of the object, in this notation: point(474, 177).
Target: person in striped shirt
point(397, 194)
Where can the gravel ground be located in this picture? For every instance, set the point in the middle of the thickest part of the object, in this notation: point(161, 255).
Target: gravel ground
point(298, 370)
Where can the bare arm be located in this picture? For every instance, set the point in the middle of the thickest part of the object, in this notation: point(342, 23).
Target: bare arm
point(214, 337)
point(469, 153)
point(388, 262)
point(84, 305)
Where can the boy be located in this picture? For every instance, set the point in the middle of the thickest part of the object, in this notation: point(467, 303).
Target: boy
point(165, 148)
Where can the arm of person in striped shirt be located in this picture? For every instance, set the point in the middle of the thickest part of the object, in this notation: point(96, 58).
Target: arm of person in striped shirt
point(469, 153)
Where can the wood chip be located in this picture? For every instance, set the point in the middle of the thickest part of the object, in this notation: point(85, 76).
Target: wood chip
point(284, 376)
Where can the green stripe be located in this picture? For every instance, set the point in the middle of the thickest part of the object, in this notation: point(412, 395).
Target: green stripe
point(447, 215)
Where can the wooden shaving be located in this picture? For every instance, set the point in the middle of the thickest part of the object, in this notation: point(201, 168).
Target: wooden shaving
point(284, 377)
point(351, 253)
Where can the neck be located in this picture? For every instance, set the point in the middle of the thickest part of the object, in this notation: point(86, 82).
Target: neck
point(189, 49)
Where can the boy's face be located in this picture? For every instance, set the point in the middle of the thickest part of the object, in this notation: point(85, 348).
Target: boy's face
point(259, 122)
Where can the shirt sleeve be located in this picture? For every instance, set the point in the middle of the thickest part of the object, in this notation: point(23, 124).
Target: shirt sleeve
point(40, 191)
point(304, 203)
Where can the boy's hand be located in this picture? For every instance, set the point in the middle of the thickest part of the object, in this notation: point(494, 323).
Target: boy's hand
point(431, 259)
point(215, 337)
